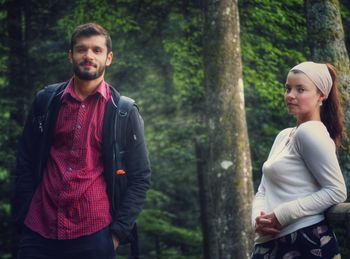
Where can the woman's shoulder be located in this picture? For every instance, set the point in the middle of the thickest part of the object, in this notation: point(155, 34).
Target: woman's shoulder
point(283, 133)
point(313, 133)
point(312, 129)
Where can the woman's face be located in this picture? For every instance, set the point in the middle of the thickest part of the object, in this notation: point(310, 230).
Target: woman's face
point(302, 97)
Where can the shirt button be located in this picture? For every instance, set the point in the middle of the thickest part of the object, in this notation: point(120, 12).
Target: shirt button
point(78, 126)
point(70, 169)
point(83, 105)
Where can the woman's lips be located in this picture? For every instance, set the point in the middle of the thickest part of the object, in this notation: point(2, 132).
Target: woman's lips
point(291, 105)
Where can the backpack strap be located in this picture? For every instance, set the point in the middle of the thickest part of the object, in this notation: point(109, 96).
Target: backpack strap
point(45, 96)
point(125, 106)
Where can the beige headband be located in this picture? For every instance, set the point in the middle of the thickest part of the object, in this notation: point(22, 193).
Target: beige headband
point(318, 74)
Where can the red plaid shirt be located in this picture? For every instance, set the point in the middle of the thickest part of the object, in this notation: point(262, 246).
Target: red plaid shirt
point(71, 201)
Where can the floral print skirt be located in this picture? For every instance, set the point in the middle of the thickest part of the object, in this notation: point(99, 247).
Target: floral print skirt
point(315, 241)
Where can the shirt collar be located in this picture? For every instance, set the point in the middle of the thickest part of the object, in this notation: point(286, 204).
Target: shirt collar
point(101, 89)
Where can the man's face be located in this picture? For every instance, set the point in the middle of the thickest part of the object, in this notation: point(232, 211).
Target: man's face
point(90, 57)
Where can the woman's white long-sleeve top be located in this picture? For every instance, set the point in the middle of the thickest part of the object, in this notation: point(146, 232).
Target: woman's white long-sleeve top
point(301, 179)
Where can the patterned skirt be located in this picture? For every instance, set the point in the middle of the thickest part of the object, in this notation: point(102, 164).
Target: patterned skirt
point(315, 241)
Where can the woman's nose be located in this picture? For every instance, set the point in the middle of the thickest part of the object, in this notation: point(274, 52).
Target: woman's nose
point(290, 95)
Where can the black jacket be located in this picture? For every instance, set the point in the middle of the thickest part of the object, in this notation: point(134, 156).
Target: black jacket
point(126, 192)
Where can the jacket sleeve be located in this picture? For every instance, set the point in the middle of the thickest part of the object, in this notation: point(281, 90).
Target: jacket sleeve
point(138, 175)
point(25, 167)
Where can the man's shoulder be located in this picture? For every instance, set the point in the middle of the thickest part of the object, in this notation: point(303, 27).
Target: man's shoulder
point(122, 103)
point(51, 89)
point(55, 86)
point(45, 95)
point(125, 104)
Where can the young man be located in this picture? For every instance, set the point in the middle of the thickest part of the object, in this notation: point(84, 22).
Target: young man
point(70, 197)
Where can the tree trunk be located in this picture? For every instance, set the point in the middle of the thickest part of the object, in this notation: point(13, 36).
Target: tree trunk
point(326, 37)
point(226, 178)
point(19, 83)
point(18, 90)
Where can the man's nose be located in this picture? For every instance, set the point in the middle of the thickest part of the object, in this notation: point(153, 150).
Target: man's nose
point(89, 54)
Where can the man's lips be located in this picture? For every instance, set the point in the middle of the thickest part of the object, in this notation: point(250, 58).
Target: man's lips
point(88, 64)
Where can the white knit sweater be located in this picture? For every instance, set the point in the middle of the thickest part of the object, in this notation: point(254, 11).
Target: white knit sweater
point(301, 179)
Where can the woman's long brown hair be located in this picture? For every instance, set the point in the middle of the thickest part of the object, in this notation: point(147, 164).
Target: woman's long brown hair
point(332, 114)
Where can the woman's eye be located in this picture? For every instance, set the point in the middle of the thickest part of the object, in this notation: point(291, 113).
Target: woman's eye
point(301, 90)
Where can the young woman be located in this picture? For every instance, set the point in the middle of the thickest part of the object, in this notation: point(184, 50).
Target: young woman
point(301, 177)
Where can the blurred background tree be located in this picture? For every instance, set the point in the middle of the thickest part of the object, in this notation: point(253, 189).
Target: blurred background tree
point(226, 188)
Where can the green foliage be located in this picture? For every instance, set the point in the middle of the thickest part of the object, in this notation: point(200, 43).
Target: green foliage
point(159, 225)
point(273, 40)
point(6, 155)
point(114, 16)
point(273, 36)
point(186, 56)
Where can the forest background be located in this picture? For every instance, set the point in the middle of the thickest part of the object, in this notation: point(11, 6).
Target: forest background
point(158, 50)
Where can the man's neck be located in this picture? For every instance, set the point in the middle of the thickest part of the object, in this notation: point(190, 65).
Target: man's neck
point(84, 88)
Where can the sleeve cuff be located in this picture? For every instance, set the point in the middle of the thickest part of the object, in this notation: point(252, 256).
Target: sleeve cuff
point(286, 213)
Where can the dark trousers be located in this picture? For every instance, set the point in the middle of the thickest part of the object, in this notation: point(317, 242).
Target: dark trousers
point(96, 246)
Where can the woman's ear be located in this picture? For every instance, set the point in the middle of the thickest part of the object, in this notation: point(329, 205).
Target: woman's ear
point(321, 98)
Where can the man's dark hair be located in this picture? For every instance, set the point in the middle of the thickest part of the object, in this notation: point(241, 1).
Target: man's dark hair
point(88, 30)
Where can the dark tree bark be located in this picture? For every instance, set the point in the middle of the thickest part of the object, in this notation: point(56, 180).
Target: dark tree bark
point(18, 83)
point(326, 38)
point(17, 90)
point(226, 185)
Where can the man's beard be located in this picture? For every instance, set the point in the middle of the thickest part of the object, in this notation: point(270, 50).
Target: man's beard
point(86, 75)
